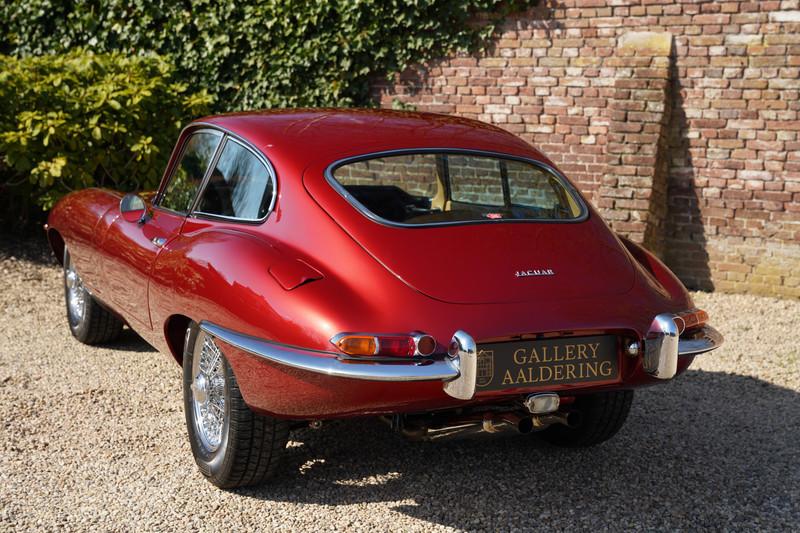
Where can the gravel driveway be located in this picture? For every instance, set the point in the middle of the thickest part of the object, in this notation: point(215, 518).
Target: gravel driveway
point(95, 438)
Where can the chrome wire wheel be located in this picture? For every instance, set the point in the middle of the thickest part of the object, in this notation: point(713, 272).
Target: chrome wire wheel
point(88, 320)
point(208, 393)
point(76, 294)
point(232, 445)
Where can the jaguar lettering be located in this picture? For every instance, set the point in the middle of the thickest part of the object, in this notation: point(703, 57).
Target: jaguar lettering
point(534, 272)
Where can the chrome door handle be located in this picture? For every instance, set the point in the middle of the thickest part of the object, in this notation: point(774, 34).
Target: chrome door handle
point(159, 241)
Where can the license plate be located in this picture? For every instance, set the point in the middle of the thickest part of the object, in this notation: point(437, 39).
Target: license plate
point(547, 362)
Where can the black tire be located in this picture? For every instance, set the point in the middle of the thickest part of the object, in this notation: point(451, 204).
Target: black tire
point(600, 416)
point(89, 321)
point(250, 447)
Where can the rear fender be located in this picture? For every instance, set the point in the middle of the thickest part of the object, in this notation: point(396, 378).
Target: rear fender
point(656, 273)
point(244, 282)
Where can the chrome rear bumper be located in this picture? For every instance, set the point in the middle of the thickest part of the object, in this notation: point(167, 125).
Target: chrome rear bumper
point(705, 340)
point(664, 345)
point(457, 371)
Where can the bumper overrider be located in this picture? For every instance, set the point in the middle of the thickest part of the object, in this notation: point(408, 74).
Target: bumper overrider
point(458, 370)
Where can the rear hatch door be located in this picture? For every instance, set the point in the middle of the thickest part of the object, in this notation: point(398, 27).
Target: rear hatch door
point(492, 261)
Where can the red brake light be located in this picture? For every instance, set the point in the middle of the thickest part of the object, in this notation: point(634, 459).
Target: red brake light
point(396, 346)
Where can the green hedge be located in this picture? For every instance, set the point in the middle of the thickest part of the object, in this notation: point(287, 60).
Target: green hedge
point(256, 53)
point(76, 120)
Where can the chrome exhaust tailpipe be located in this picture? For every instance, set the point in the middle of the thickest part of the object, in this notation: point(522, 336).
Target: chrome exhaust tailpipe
point(527, 424)
point(523, 424)
point(569, 419)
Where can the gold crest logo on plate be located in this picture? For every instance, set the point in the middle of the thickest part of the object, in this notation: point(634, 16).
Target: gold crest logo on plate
point(485, 370)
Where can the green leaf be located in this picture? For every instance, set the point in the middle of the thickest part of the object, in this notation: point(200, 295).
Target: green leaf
point(159, 64)
point(51, 137)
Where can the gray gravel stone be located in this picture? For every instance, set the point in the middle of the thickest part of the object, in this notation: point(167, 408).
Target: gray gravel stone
point(93, 438)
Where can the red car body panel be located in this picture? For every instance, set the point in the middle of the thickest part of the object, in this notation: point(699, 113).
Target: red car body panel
point(317, 267)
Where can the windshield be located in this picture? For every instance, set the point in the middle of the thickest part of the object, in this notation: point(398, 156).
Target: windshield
point(436, 188)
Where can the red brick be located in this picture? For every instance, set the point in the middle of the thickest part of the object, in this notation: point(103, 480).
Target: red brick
point(734, 136)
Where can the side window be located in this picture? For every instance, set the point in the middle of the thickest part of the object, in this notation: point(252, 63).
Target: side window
point(240, 186)
point(188, 175)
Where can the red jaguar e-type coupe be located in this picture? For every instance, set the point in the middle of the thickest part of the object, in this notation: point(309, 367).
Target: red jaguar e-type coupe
point(315, 264)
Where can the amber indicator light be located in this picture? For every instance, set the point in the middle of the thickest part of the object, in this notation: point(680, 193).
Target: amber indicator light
point(358, 345)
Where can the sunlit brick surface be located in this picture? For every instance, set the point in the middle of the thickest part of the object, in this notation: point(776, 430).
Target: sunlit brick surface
point(694, 152)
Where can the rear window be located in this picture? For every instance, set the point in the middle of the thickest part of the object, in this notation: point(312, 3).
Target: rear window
point(436, 188)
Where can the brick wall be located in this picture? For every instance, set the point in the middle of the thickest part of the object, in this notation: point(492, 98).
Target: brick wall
point(692, 149)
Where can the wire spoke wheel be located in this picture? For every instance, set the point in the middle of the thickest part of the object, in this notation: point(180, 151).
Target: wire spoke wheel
point(76, 294)
point(208, 393)
point(232, 445)
point(89, 321)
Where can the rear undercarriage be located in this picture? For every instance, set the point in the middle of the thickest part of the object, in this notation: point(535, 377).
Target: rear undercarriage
point(535, 412)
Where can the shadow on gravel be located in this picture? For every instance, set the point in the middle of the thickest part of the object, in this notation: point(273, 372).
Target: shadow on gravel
point(30, 245)
point(130, 341)
point(710, 450)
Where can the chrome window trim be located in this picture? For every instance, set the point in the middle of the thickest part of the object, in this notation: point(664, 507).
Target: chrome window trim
point(195, 213)
point(190, 130)
point(572, 191)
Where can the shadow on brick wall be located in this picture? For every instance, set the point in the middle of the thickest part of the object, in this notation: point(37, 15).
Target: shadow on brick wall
point(686, 242)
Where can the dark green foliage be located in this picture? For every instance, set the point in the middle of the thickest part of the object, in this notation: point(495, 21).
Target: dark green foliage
point(73, 120)
point(256, 54)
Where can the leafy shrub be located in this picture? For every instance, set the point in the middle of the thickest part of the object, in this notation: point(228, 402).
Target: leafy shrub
point(78, 120)
point(254, 54)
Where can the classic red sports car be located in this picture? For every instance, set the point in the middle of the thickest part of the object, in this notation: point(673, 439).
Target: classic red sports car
point(314, 264)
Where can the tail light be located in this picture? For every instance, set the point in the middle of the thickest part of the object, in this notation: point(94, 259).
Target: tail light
point(694, 318)
point(385, 345)
point(357, 344)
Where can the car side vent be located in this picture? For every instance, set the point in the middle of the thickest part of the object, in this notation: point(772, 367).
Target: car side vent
point(292, 273)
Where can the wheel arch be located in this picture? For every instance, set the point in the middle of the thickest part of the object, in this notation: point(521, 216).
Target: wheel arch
point(56, 242)
point(175, 333)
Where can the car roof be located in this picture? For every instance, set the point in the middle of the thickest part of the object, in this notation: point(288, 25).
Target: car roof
point(326, 135)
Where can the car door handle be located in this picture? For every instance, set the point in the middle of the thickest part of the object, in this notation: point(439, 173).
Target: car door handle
point(159, 241)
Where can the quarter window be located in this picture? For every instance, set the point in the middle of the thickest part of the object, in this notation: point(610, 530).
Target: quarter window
point(475, 180)
point(240, 186)
point(535, 189)
point(182, 187)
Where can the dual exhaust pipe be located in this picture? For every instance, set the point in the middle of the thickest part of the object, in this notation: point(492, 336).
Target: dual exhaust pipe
point(527, 424)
